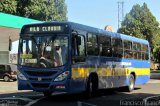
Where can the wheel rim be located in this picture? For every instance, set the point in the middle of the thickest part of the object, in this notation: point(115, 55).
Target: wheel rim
point(131, 83)
point(90, 87)
point(6, 78)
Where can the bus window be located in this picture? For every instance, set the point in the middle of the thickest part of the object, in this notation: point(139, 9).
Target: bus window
point(46, 52)
point(134, 49)
point(105, 44)
point(105, 40)
point(92, 46)
point(27, 46)
point(144, 51)
point(137, 51)
point(128, 49)
point(117, 47)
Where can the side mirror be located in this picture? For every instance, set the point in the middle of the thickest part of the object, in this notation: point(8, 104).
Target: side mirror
point(10, 45)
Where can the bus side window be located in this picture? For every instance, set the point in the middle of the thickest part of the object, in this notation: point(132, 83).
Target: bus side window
point(117, 47)
point(78, 48)
point(135, 53)
point(92, 45)
point(105, 44)
point(128, 49)
point(144, 52)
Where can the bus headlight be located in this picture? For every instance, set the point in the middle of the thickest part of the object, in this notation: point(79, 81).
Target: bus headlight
point(62, 76)
point(21, 76)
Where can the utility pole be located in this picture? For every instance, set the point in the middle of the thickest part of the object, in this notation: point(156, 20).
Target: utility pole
point(120, 13)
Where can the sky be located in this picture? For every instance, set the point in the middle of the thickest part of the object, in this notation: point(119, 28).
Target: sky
point(99, 13)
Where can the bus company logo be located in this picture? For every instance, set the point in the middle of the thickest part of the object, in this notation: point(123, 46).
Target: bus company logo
point(39, 79)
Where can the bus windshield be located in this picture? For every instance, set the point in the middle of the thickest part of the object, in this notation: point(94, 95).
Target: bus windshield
point(43, 51)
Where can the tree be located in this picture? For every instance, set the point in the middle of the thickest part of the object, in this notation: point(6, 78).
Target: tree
point(156, 54)
point(141, 23)
point(131, 24)
point(150, 26)
point(8, 6)
point(61, 10)
point(45, 10)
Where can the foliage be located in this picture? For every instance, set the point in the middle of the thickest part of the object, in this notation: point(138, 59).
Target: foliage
point(156, 54)
point(140, 22)
point(45, 10)
point(61, 10)
point(8, 6)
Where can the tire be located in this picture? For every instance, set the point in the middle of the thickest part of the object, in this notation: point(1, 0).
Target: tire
point(47, 94)
point(131, 85)
point(92, 87)
point(6, 78)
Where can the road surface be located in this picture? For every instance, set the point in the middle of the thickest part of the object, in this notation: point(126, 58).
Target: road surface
point(142, 95)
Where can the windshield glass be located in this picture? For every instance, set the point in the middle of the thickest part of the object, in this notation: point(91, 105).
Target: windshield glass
point(43, 51)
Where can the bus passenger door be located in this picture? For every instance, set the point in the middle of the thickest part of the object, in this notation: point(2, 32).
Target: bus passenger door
point(78, 63)
point(117, 53)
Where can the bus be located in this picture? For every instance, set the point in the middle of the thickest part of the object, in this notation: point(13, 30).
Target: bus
point(71, 57)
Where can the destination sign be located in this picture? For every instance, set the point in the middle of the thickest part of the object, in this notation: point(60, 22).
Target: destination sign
point(44, 29)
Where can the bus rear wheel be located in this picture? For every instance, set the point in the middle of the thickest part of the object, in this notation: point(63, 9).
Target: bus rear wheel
point(131, 85)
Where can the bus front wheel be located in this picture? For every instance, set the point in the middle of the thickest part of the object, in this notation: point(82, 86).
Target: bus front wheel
point(92, 86)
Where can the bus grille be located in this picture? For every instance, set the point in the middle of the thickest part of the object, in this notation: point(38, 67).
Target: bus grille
point(43, 79)
point(40, 73)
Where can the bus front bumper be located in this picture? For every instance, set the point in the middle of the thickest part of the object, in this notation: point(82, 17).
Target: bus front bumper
point(41, 86)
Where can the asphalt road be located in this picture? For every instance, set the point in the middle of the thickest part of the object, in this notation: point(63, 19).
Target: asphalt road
point(142, 94)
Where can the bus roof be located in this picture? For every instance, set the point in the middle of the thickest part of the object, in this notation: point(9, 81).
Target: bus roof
point(96, 31)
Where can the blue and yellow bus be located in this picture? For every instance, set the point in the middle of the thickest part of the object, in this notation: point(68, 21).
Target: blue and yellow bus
point(70, 57)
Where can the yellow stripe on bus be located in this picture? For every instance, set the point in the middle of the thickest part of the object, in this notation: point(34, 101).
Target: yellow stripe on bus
point(84, 72)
